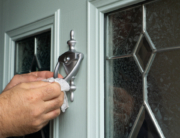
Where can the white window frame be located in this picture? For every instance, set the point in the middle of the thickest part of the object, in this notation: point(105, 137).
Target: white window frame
point(51, 22)
point(95, 58)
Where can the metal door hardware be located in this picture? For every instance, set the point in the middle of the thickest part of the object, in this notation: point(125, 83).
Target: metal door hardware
point(71, 62)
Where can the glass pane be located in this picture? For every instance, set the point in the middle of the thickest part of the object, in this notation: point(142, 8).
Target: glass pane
point(147, 129)
point(124, 96)
point(163, 23)
point(44, 50)
point(24, 55)
point(164, 91)
point(143, 52)
point(124, 28)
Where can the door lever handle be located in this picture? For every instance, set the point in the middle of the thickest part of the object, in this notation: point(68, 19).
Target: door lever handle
point(71, 61)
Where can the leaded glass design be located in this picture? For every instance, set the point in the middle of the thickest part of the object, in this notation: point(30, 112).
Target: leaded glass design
point(124, 28)
point(124, 91)
point(163, 23)
point(147, 129)
point(143, 52)
point(156, 89)
point(164, 91)
point(33, 54)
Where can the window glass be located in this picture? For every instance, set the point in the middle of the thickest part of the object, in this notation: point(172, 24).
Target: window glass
point(124, 28)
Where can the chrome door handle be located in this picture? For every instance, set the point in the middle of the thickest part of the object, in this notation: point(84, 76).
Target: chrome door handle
point(71, 61)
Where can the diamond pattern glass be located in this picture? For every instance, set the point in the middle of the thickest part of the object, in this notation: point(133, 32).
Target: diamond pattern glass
point(124, 96)
point(163, 23)
point(164, 91)
point(124, 28)
point(143, 52)
point(147, 129)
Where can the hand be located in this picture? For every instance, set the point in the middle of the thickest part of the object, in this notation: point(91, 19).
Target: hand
point(30, 77)
point(27, 107)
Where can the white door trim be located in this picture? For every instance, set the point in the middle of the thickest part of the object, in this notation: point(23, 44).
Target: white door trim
point(95, 65)
point(52, 23)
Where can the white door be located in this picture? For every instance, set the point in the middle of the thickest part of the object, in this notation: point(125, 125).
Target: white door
point(127, 84)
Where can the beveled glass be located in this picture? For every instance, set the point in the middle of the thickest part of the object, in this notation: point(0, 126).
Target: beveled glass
point(164, 91)
point(143, 52)
point(147, 129)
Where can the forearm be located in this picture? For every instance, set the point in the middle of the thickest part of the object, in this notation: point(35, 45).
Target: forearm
point(2, 121)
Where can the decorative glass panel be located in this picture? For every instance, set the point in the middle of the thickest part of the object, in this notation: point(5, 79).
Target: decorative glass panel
point(147, 129)
point(124, 28)
point(24, 55)
point(124, 96)
point(123, 79)
point(143, 52)
point(44, 50)
point(164, 91)
point(163, 23)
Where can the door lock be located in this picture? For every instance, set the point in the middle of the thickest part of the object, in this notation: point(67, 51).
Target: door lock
point(71, 61)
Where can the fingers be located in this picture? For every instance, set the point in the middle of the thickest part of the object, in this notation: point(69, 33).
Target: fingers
point(44, 74)
point(54, 103)
point(49, 92)
point(33, 85)
point(17, 79)
point(53, 114)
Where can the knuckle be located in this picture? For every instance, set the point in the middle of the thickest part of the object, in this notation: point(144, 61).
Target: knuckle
point(36, 114)
point(16, 76)
point(31, 77)
point(22, 85)
point(56, 86)
point(36, 125)
point(57, 112)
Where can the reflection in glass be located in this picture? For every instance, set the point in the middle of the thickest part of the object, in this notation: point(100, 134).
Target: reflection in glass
point(44, 50)
point(164, 91)
point(124, 96)
point(143, 52)
point(124, 28)
point(163, 23)
point(24, 55)
point(147, 129)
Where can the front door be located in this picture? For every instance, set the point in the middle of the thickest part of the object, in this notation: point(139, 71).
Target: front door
point(128, 82)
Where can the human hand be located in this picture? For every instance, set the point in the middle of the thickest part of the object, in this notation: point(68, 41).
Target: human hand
point(30, 77)
point(27, 107)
